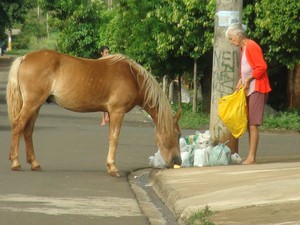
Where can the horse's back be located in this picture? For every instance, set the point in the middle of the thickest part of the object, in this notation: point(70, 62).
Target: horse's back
point(79, 84)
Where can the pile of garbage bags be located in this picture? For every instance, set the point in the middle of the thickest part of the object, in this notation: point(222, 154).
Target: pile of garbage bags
point(197, 151)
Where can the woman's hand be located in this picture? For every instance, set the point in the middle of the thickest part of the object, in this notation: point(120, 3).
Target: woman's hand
point(239, 84)
point(248, 81)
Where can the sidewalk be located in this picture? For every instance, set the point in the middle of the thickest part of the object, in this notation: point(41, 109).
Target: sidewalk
point(255, 194)
point(260, 194)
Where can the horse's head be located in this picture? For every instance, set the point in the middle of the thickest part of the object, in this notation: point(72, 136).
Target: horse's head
point(169, 144)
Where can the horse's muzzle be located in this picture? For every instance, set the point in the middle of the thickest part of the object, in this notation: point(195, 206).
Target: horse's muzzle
point(176, 160)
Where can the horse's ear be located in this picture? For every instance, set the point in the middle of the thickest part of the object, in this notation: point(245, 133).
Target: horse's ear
point(177, 116)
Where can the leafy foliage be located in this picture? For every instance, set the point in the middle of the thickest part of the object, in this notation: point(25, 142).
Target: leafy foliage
point(186, 28)
point(130, 31)
point(33, 30)
point(12, 11)
point(283, 120)
point(276, 25)
point(162, 35)
point(79, 22)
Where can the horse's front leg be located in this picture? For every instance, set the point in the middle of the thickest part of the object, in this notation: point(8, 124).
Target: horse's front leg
point(115, 122)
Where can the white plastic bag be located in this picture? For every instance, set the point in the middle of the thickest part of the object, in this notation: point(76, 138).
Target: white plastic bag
point(185, 151)
point(236, 159)
point(202, 140)
point(157, 161)
point(220, 155)
point(201, 157)
point(185, 158)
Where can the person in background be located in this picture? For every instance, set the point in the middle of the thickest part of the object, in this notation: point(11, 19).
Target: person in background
point(254, 78)
point(104, 51)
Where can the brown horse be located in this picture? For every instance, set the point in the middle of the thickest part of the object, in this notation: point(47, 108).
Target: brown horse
point(114, 84)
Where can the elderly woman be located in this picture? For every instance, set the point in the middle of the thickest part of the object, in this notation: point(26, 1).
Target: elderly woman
point(254, 78)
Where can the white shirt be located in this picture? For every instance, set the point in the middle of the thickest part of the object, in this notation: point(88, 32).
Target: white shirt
point(246, 71)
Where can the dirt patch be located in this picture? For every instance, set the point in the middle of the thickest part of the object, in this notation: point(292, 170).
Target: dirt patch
point(287, 213)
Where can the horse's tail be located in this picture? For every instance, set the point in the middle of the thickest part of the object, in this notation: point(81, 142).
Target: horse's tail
point(13, 92)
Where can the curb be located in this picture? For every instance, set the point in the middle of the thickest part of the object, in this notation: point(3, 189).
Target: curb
point(261, 194)
point(150, 204)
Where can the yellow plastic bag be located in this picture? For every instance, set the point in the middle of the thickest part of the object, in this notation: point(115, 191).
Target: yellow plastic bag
point(233, 112)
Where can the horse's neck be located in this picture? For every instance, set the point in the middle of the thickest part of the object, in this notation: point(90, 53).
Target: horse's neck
point(152, 112)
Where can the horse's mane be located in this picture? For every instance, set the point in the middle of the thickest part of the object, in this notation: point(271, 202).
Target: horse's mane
point(154, 96)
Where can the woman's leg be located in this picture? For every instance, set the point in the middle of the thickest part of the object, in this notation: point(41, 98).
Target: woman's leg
point(253, 144)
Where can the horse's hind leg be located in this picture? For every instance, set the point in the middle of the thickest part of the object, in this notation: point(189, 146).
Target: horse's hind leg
point(18, 127)
point(14, 148)
point(17, 130)
point(35, 166)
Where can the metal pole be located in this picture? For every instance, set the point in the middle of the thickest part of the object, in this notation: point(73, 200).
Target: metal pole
point(225, 72)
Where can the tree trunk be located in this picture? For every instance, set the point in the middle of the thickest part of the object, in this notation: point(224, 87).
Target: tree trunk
point(294, 87)
point(109, 3)
point(171, 91)
point(179, 92)
point(290, 88)
point(165, 84)
point(195, 87)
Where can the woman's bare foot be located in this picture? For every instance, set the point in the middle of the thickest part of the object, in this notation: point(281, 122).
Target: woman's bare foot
point(248, 162)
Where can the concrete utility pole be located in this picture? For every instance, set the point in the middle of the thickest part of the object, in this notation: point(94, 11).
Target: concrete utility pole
point(225, 71)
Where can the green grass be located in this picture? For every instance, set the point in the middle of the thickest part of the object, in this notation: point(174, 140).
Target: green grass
point(289, 120)
point(192, 120)
point(18, 52)
point(200, 217)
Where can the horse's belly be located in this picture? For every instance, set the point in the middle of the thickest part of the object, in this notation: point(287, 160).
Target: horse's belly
point(78, 105)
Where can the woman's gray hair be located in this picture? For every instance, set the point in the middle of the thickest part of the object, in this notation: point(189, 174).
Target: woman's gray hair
point(235, 30)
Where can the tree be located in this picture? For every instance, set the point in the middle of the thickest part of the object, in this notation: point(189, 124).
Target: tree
point(129, 31)
point(33, 29)
point(278, 27)
point(166, 36)
point(11, 12)
point(186, 31)
point(79, 22)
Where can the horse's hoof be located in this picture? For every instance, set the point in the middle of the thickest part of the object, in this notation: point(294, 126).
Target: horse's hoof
point(36, 168)
point(16, 168)
point(114, 173)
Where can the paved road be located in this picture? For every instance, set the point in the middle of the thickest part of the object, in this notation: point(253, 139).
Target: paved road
point(73, 186)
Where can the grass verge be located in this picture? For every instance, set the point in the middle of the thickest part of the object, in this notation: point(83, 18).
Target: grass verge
point(285, 121)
